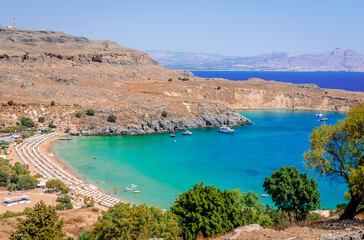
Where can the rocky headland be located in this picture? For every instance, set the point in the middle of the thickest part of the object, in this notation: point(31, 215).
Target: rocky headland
point(37, 67)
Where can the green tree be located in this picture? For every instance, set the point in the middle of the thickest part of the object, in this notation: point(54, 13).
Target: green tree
point(26, 182)
point(164, 114)
point(78, 115)
point(86, 235)
point(10, 102)
point(51, 125)
point(90, 112)
point(293, 191)
point(207, 211)
point(53, 103)
point(20, 169)
point(27, 122)
point(111, 118)
point(55, 184)
point(125, 221)
point(337, 152)
point(41, 223)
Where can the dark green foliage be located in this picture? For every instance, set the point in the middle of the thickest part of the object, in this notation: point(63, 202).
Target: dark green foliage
point(41, 223)
point(53, 103)
point(27, 122)
point(55, 184)
point(185, 79)
point(164, 114)
point(111, 118)
point(85, 236)
point(95, 210)
point(27, 182)
point(207, 211)
point(68, 206)
point(170, 80)
point(90, 112)
point(337, 151)
point(279, 218)
point(78, 115)
point(293, 191)
point(65, 199)
point(314, 216)
point(10, 102)
point(20, 169)
point(51, 125)
point(60, 206)
point(41, 119)
point(3, 179)
point(90, 204)
point(124, 221)
point(218, 88)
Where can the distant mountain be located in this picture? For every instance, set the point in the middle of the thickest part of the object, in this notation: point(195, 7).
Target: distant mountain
point(337, 60)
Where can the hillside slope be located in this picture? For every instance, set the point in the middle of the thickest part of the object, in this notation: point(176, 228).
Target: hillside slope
point(37, 67)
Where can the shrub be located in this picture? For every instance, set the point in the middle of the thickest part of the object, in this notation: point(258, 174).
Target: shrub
point(90, 204)
point(60, 206)
point(40, 223)
point(68, 206)
point(111, 118)
point(164, 114)
point(279, 217)
point(65, 199)
point(51, 125)
point(218, 88)
point(41, 119)
point(78, 115)
point(26, 182)
point(85, 236)
point(314, 216)
point(293, 191)
point(125, 221)
point(185, 79)
point(27, 122)
point(170, 80)
point(95, 210)
point(10, 102)
point(53, 103)
point(207, 211)
point(90, 112)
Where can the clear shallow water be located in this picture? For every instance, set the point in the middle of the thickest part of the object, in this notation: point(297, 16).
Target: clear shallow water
point(350, 81)
point(163, 168)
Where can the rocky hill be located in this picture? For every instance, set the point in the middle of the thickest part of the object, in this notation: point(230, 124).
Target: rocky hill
point(337, 60)
point(37, 67)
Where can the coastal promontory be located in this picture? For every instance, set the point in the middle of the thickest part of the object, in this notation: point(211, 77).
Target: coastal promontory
point(78, 74)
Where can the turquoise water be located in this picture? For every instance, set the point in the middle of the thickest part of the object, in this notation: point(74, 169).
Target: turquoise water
point(163, 168)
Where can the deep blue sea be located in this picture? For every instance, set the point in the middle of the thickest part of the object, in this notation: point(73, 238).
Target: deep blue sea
point(350, 81)
point(164, 167)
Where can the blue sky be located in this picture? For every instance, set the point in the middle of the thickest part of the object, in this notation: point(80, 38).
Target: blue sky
point(231, 27)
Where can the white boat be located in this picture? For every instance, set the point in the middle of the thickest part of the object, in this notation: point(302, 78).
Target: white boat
point(136, 192)
point(322, 119)
point(264, 195)
point(225, 129)
point(133, 186)
point(127, 189)
point(319, 114)
point(187, 133)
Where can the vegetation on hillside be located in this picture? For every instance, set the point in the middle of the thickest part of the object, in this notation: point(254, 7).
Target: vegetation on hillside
point(293, 191)
point(42, 222)
point(337, 152)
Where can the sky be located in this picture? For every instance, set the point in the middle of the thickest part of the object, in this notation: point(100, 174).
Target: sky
point(227, 27)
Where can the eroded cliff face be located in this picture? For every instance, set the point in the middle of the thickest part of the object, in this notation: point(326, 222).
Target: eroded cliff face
point(37, 67)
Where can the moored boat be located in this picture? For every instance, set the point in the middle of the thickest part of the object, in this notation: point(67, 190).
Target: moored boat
point(135, 192)
point(172, 135)
point(225, 129)
point(187, 133)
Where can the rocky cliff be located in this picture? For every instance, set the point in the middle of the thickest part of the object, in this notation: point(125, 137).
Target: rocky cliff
point(37, 67)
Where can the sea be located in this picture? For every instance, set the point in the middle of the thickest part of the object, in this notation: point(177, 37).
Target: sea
point(349, 81)
point(163, 167)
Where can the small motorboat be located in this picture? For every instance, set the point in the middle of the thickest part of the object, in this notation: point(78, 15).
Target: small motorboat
point(172, 135)
point(319, 114)
point(133, 186)
point(264, 195)
point(127, 189)
point(95, 157)
point(187, 133)
point(323, 119)
point(225, 129)
point(135, 192)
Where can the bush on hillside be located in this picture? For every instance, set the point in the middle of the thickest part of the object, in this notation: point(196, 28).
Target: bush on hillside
point(78, 115)
point(111, 118)
point(164, 114)
point(207, 211)
point(51, 125)
point(90, 112)
point(41, 119)
point(40, 223)
point(27, 122)
point(10, 102)
point(293, 191)
point(53, 103)
point(125, 221)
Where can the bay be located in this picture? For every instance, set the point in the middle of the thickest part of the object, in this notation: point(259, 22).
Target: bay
point(163, 167)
